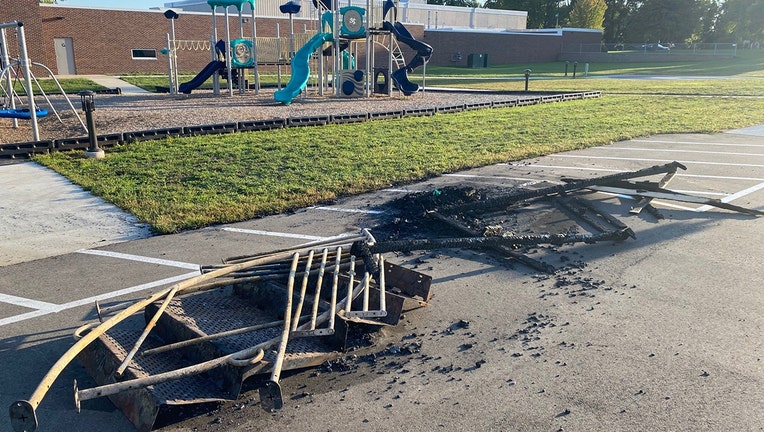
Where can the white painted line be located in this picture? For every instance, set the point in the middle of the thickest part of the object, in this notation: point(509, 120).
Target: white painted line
point(720, 177)
point(139, 258)
point(679, 151)
point(393, 190)
point(697, 143)
point(133, 289)
point(27, 303)
point(522, 179)
point(655, 201)
point(347, 210)
point(655, 160)
point(619, 171)
point(734, 196)
point(672, 205)
point(105, 296)
point(689, 192)
point(572, 168)
point(273, 233)
point(23, 317)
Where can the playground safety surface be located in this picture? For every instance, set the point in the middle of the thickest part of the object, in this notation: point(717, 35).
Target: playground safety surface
point(154, 115)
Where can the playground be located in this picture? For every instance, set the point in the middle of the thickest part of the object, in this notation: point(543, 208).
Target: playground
point(353, 53)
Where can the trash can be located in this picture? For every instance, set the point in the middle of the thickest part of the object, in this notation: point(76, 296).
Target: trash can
point(475, 60)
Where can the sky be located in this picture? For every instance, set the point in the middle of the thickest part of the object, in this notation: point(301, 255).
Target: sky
point(133, 4)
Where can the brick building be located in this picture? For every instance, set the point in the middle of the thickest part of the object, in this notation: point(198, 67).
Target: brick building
point(80, 40)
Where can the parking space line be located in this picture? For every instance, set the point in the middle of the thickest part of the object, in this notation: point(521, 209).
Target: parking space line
point(394, 190)
point(655, 160)
point(53, 308)
point(522, 179)
point(273, 233)
point(27, 303)
point(680, 151)
point(697, 143)
point(734, 196)
point(347, 210)
point(23, 317)
point(619, 171)
point(139, 258)
point(130, 290)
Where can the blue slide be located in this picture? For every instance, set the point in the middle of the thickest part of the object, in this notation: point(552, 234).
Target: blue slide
point(301, 69)
point(202, 76)
point(423, 53)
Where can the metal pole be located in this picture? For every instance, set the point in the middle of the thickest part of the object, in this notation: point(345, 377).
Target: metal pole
point(228, 52)
point(369, 47)
point(5, 62)
point(291, 35)
point(337, 53)
point(93, 150)
point(170, 72)
point(254, 49)
point(24, 59)
point(174, 56)
point(213, 53)
point(242, 83)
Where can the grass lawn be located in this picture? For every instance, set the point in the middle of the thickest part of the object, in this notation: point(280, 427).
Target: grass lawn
point(179, 184)
point(71, 86)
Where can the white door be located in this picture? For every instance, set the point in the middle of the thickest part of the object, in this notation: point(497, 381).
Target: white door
point(65, 56)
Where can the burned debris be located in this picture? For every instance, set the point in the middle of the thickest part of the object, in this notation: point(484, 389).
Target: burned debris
point(259, 315)
point(465, 218)
point(203, 337)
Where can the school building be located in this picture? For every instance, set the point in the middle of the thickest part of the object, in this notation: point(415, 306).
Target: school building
point(84, 40)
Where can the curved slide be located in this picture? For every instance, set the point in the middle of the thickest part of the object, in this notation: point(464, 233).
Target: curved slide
point(423, 52)
point(301, 69)
point(201, 77)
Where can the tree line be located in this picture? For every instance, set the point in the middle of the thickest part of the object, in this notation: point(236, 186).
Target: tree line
point(735, 21)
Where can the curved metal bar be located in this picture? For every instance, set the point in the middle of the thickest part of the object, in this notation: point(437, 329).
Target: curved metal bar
point(23, 412)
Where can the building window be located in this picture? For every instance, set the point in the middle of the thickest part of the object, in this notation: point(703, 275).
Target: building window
point(144, 54)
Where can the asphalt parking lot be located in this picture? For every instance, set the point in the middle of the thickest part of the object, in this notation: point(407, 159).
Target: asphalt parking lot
point(672, 339)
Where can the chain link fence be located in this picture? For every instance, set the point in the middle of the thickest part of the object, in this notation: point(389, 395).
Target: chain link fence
point(711, 49)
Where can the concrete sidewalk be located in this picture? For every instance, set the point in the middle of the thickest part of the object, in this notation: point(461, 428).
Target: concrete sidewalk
point(42, 214)
point(110, 82)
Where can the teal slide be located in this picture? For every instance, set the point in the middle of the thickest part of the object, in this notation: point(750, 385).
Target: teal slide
point(301, 69)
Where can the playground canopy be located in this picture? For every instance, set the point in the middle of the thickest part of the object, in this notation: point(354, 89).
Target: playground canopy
point(239, 4)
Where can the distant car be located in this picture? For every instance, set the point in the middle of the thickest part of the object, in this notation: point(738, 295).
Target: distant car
point(656, 47)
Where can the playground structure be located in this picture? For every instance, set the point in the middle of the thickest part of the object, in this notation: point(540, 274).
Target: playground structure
point(352, 32)
point(344, 27)
point(227, 56)
point(11, 109)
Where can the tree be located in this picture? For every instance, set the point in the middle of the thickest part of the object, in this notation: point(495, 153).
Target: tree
point(588, 14)
point(541, 13)
point(617, 17)
point(742, 20)
point(664, 20)
point(707, 31)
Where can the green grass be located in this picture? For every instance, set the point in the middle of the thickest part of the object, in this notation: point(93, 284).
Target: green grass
point(734, 86)
point(71, 86)
point(187, 183)
point(179, 184)
point(745, 63)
